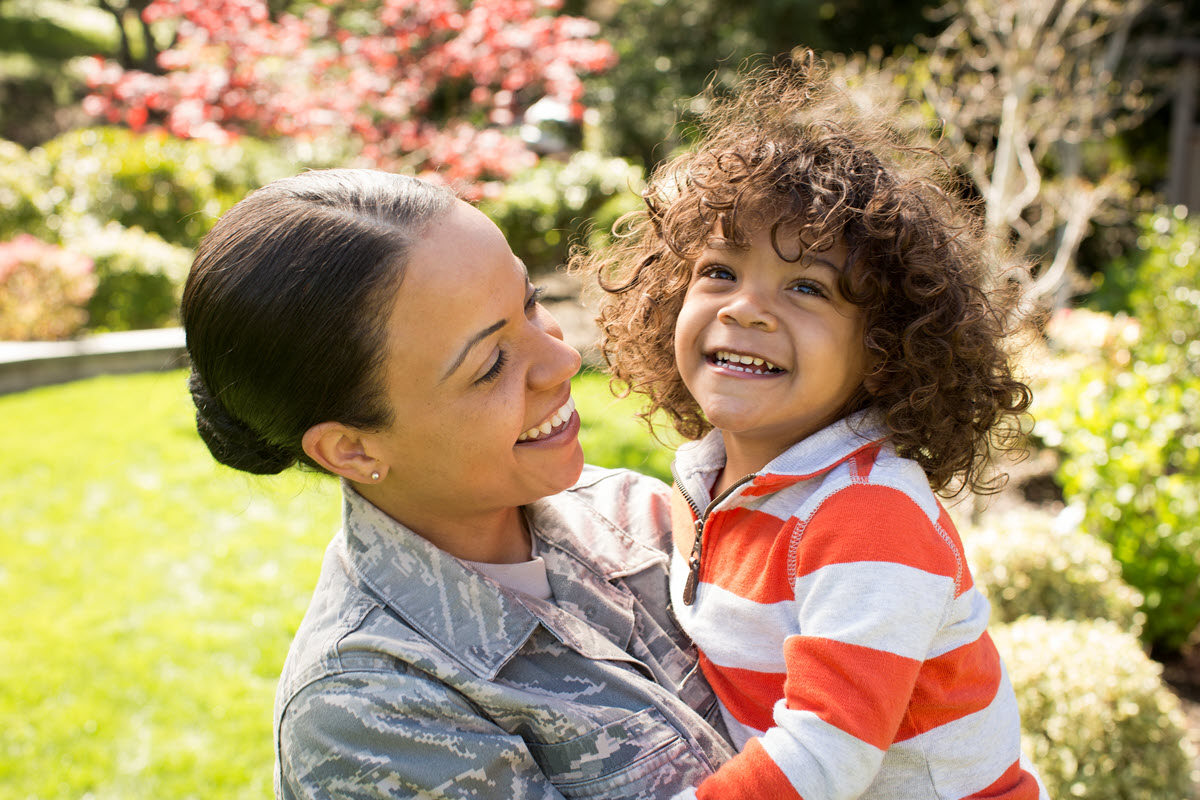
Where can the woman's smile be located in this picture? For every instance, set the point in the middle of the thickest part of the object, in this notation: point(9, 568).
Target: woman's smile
point(553, 426)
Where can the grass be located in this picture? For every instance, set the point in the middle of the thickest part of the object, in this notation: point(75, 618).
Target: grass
point(151, 595)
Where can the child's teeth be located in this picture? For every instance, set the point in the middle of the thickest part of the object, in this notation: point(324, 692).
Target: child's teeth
point(758, 362)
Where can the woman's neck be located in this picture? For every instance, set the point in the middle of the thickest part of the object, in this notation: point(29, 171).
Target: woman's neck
point(499, 536)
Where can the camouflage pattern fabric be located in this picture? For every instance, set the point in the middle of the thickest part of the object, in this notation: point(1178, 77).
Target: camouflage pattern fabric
point(414, 676)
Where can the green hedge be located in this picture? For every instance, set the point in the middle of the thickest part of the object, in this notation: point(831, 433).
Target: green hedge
point(547, 209)
point(1122, 406)
point(1096, 717)
point(1030, 562)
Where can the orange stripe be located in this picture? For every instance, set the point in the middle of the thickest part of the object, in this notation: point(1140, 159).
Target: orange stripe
point(874, 523)
point(750, 774)
point(859, 690)
point(751, 549)
point(864, 461)
point(953, 686)
point(769, 484)
point(1014, 784)
point(749, 696)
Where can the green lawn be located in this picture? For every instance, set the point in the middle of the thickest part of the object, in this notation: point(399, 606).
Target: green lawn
point(150, 594)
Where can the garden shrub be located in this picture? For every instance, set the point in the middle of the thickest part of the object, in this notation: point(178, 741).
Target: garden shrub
point(25, 193)
point(1031, 562)
point(140, 278)
point(43, 290)
point(548, 208)
point(173, 188)
point(1123, 409)
point(1096, 718)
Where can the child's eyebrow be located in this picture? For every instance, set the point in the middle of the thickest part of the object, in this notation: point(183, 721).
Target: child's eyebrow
point(809, 260)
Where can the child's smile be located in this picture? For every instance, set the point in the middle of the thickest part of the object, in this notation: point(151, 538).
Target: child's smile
point(741, 362)
point(769, 348)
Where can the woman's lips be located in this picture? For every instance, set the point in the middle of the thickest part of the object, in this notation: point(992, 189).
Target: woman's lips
point(553, 424)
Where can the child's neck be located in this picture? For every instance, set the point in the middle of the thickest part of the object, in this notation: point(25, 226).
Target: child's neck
point(744, 457)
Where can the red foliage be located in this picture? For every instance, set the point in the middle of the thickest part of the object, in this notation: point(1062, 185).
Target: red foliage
point(431, 85)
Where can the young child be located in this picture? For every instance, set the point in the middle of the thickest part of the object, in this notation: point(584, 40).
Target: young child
point(803, 298)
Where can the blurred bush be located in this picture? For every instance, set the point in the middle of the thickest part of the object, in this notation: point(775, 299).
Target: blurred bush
point(173, 188)
point(1121, 402)
point(43, 290)
point(546, 209)
point(1030, 562)
point(140, 278)
point(136, 204)
point(1096, 717)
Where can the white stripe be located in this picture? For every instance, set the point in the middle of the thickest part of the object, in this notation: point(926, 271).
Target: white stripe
point(967, 622)
point(877, 604)
point(992, 737)
point(819, 759)
point(733, 631)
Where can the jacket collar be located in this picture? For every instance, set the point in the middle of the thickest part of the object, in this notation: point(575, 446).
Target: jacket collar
point(473, 619)
point(814, 455)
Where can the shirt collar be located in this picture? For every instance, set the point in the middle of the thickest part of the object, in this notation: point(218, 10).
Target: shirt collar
point(813, 455)
point(475, 620)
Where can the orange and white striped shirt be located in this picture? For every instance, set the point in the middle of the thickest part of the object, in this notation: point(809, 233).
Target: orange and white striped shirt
point(839, 625)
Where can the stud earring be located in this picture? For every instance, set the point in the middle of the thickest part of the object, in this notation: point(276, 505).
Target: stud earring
point(374, 476)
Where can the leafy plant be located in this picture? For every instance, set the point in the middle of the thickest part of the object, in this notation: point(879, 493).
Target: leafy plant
point(44, 290)
point(1124, 410)
point(139, 278)
point(543, 211)
point(434, 84)
point(1096, 717)
point(1029, 562)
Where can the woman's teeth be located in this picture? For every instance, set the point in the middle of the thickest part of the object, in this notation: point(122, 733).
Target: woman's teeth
point(559, 418)
point(758, 366)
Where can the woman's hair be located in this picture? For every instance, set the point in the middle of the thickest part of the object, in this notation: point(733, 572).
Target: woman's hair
point(787, 151)
point(286, 306)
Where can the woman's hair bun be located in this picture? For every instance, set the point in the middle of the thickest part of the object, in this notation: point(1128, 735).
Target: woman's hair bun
point(232, 442)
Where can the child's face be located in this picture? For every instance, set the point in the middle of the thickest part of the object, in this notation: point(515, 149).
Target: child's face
point(803, 339)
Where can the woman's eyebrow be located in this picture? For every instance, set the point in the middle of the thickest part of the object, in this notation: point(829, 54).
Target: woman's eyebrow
point(476, 339)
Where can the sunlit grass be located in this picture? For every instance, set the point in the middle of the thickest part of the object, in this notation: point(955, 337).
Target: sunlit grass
point(150, 595)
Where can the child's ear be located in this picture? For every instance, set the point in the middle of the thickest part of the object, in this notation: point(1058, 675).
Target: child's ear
point(341, 450)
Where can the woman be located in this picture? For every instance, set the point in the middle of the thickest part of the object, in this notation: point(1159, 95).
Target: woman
point(488, 623)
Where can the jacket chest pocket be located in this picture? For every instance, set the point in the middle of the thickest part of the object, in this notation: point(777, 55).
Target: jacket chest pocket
point(640, 757)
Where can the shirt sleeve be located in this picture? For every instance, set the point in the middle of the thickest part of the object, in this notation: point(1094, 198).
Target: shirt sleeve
point(873, 584)
point(390, 735)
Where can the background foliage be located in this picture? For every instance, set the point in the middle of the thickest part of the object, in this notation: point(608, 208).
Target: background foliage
point(1123, 407)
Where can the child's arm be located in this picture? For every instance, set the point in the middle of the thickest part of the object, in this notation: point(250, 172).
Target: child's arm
point(892, 647)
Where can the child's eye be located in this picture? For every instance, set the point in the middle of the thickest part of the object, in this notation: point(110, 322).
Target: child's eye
point(718, 272)
point(809, 287)
point(494, 371)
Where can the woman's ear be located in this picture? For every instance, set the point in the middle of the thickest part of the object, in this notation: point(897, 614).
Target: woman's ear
point(341, 450)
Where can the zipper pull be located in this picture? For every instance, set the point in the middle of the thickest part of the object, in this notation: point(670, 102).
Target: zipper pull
point(693, 578)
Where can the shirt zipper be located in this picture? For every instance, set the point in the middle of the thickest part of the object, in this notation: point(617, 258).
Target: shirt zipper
point(693, 578)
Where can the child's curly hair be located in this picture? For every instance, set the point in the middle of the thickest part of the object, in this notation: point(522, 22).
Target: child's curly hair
point(786, 150)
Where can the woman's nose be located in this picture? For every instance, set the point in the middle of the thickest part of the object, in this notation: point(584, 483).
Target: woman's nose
point(554, 361)
point(748, 308)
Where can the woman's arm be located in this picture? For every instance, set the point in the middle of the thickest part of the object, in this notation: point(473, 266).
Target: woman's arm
point(363, 735)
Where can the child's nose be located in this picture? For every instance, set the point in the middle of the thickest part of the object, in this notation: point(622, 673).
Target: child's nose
point(749, 310)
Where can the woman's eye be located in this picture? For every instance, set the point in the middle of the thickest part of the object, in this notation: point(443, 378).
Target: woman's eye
point(535, 297)
point(493, 371)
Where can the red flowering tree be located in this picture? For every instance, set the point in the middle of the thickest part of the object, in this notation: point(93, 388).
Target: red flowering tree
point(430, 85)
